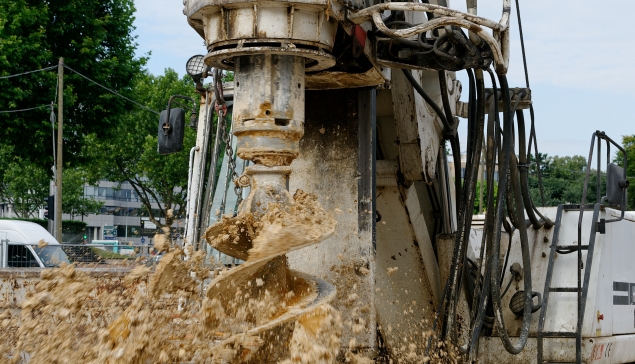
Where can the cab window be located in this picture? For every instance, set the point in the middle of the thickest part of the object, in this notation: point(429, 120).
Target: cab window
point(19, 256)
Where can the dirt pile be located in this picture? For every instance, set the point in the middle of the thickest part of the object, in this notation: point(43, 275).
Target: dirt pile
point(255, 313)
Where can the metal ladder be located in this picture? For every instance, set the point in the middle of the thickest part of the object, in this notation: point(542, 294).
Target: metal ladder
point(596, 227)
point(583, 283)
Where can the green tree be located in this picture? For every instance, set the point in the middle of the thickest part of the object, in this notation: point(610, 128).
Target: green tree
point(628, 143)
point(132, 156)
point(23, 183)
point(74, 201)
point(95, 38)
point(563, 180)
point(478, 191)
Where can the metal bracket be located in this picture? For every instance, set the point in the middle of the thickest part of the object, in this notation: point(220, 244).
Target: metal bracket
point(601, 226)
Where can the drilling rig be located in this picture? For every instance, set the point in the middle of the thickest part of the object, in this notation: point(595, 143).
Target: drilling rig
point(357, 102)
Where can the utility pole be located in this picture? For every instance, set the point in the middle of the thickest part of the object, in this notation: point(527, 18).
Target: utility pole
point(60, 132)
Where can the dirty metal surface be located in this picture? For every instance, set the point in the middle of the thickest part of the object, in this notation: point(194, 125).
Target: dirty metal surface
point(403, 296)
point(562, 311)
point(317, 60)
point(445, 249)
point(194, 6)
point(328, 167)
point(326, 80)
point(406, 121)
point(268, 114)
point(604, 350)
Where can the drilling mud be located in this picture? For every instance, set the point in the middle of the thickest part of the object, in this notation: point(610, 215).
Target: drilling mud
point(257, 312)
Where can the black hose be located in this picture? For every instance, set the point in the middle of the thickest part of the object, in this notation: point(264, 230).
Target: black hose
point(446, 124)
point(548, 224)
point(535, 141)
point(509, 228)
point(456, 157)
point(486, 243)
point(454, 140)
point(509, 204)
point(522, 167)
point(493, 256)
point(444, 97)
point(509, 248)
point(471, 115)
point(465, 214)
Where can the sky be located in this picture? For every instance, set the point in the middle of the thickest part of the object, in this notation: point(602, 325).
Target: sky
point(579, 52)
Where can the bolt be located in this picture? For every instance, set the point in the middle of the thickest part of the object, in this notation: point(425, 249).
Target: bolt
point(544, 255)
point(244, 181)
point(545, 239)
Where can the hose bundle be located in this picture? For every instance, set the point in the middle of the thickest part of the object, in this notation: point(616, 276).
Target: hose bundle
point(512, 200)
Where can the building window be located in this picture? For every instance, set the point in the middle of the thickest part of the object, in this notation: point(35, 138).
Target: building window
point(108, 210)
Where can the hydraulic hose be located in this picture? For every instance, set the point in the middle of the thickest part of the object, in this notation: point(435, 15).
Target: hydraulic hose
point(509, 165)
point(465, 213)
point(471, 115)
point(522, 167)
point(532, 137)
point(478, 311)
point(547, 223)
point(508, 203)
point(509, 247)
point(446, 124)
point(454, 140)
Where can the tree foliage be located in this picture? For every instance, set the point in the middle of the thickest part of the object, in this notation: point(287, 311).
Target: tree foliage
point(74, 201)
point(628, 143)
point(23, 183)
point(563, 180)
point(477, 196)
point(132, 157)
point(95, 38)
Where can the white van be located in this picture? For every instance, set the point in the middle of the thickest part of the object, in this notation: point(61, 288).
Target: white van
point(19, 246)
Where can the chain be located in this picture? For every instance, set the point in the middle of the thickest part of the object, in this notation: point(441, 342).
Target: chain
point(229, 151)
point(221, 108)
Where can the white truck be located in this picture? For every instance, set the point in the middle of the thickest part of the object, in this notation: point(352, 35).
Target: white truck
point(26, 244)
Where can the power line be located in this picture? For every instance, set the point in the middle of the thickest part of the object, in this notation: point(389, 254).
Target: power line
point(20, 110)
point(522, 42)
point(26, 73)
point(112, 91)
point(67, 67)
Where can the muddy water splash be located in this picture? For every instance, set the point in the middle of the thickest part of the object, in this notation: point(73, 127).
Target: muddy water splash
point(257, 312)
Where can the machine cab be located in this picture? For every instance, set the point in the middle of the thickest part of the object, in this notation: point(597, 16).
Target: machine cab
point(20, 246)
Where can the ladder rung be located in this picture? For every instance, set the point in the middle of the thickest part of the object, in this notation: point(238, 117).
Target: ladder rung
point(564, 289)
point(559, 334)
point(572, 247)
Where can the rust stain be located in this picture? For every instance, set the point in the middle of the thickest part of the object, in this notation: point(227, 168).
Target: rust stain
point(333, 80)
point(264, 108)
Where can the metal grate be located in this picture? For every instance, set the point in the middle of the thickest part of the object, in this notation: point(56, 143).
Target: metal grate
point(20, 256)
point(34, 256)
